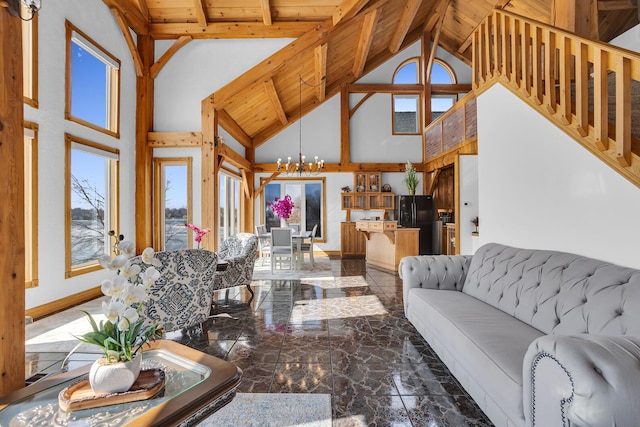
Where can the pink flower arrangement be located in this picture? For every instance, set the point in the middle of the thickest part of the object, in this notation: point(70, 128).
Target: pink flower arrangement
point(282, 207)
point(199, 232)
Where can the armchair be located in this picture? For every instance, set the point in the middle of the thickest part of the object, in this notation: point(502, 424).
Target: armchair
point(239, 252)
point(181, 297)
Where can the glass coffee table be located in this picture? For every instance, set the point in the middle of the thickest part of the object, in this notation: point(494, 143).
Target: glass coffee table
point(196, 385)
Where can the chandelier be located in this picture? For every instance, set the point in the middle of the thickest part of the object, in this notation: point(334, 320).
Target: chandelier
point(17, 7)
point(301, 167)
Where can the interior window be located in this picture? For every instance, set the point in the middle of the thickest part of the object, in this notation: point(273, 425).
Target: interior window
point(31, 204)
point(92, 203)
point(172, 183)
point(308, 200)
point(441, 73)
point(93, 87)
point(229, 187)
point(406, 107)
point(30, 60)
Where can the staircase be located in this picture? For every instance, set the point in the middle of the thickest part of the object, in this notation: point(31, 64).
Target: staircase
point(589, 89)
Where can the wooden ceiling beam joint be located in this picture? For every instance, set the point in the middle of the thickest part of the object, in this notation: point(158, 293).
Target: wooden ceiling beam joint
point(266, 12)
point(201, 14)
point(272, 93)
point(133, 48)
point(320, 70)
point(160, 63)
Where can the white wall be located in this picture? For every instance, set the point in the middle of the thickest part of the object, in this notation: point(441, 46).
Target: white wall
point(538, 188)
point(94, 19)
point(468, 173)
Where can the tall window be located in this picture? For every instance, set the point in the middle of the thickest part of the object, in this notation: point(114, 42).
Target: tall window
point(229, 193)
point(93, 83)
point(441, 73)
point(30, 60)
point(406, 107)
point(308, 199)
point(91, 202)
point(31, 204)
point(172, 203)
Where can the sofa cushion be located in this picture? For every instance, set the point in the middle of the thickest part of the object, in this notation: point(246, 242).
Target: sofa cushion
point(556, 292)
point(489, 343)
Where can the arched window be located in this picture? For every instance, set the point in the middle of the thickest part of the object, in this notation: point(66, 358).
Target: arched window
point(406, 107)
point(441, 73)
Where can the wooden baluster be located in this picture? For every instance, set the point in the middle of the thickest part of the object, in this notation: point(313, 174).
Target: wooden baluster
point(623, 110)
point(506, 50)
point(582, 90)
point(536, 53)
point(549, 72)
point(515, 64)
point(565, 80)
point(525, 57)
point(600, 99)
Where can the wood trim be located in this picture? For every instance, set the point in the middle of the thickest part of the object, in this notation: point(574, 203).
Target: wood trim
point(31, 211)
point(233, 157)
point(159, 164)
point(404, 23)
point(63, 303)
point(32, 60)
point(124, 28)
point(266, 12)
point(364, 43)
point(272, 93)
point(447, 158)
point(174, 139)
point(164, 59)
point(320, 64)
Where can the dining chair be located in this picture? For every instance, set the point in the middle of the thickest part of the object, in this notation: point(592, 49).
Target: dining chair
point(295, 228)
point(308, 247)
point(264, 243)
point(281, 246)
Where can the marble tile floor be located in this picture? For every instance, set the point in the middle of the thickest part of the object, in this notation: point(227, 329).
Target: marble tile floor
point(344, 335)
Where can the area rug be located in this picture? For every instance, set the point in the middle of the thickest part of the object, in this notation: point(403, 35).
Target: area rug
point(320, 270)
point(273, 410)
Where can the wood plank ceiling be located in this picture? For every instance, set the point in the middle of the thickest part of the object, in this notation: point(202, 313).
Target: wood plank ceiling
point(337, 41)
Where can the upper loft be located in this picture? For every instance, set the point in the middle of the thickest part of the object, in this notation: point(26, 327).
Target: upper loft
point(336, 42)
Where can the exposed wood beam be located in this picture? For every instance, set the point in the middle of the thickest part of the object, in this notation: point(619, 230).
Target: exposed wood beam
point(209, 166)
point(122, 23)
point(573, 16)
point(385, 88)
point(451, 88)
point(434, 15)
point(134, 18)
point(144, 10)
point(266, 12)
point(174, 139)
point(336, 167)
point(245, 183)
point(201, 15)
point(362, 101)
point(345, 132)
point(320, 70)
point(272, 93)
point(232, 157)
point(408, 13)
point(616, 5)
point(12, 208)
point(436, 39)
point(266, 181)
point(467, 42)
point(231, 30)
point(234, 129)
point(364, 43)
point(160, 63)
point(347, 10)
point(434, 180)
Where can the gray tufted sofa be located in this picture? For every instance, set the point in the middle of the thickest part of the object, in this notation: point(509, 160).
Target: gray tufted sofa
point(537, 338)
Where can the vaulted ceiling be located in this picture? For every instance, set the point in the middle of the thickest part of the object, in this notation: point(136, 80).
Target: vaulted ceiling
point(337, 41)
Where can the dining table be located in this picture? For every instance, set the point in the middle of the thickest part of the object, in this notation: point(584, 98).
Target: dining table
point(297, 238)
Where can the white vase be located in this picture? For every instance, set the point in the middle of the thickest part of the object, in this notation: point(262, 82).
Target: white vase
point(284, 223)
point(108, 378)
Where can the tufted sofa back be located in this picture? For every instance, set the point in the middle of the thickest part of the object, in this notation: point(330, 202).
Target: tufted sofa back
point(556, 292)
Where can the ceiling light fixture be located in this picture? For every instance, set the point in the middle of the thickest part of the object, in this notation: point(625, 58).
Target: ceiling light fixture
point(24, 9)
point(301, 167)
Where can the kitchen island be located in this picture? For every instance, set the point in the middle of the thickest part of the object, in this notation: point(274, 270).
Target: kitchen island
point(387, 243)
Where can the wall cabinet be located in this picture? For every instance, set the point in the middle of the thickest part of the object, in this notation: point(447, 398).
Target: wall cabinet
point(352, 242)
point(367, 193)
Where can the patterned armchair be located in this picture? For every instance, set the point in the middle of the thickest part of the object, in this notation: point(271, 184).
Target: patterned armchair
point(181, 297)
point(239, 252)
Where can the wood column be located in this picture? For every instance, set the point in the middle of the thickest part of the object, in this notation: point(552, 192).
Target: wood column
point(210, 193)
point(144, 154)
point(345, 135)
point(12, 267)
point(248, 208)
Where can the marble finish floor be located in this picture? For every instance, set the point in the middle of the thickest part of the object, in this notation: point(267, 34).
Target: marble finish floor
point(344, 335)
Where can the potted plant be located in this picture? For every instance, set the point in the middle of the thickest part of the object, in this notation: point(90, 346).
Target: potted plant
point(124, 333)
point(411, 178)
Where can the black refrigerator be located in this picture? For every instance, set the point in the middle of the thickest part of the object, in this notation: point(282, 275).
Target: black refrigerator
point(418, 212)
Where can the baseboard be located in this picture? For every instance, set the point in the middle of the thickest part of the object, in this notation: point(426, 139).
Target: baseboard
point(63, 303)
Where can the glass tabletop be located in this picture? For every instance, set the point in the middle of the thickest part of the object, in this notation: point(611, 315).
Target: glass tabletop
point(41, 409)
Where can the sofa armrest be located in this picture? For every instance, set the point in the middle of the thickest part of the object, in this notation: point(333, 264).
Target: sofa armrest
point(433, 272)
point(585, 380)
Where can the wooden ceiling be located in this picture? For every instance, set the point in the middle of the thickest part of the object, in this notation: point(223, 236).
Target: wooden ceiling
point(337, 41)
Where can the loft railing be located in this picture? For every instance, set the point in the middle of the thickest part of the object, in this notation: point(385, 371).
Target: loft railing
point(583, 86)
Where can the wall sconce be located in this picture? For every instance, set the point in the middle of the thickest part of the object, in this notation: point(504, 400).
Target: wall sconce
point(23, 9)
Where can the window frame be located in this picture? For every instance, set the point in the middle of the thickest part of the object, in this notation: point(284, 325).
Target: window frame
point(453, 97)
point(323, 207)
point(30, 61)
point(113, 98)
point(31, 203)
point(159, 201)
point(236, 178)
point(113, 195)
point(417, 95)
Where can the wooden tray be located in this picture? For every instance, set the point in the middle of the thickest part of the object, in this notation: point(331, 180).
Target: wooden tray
point(80, 396)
